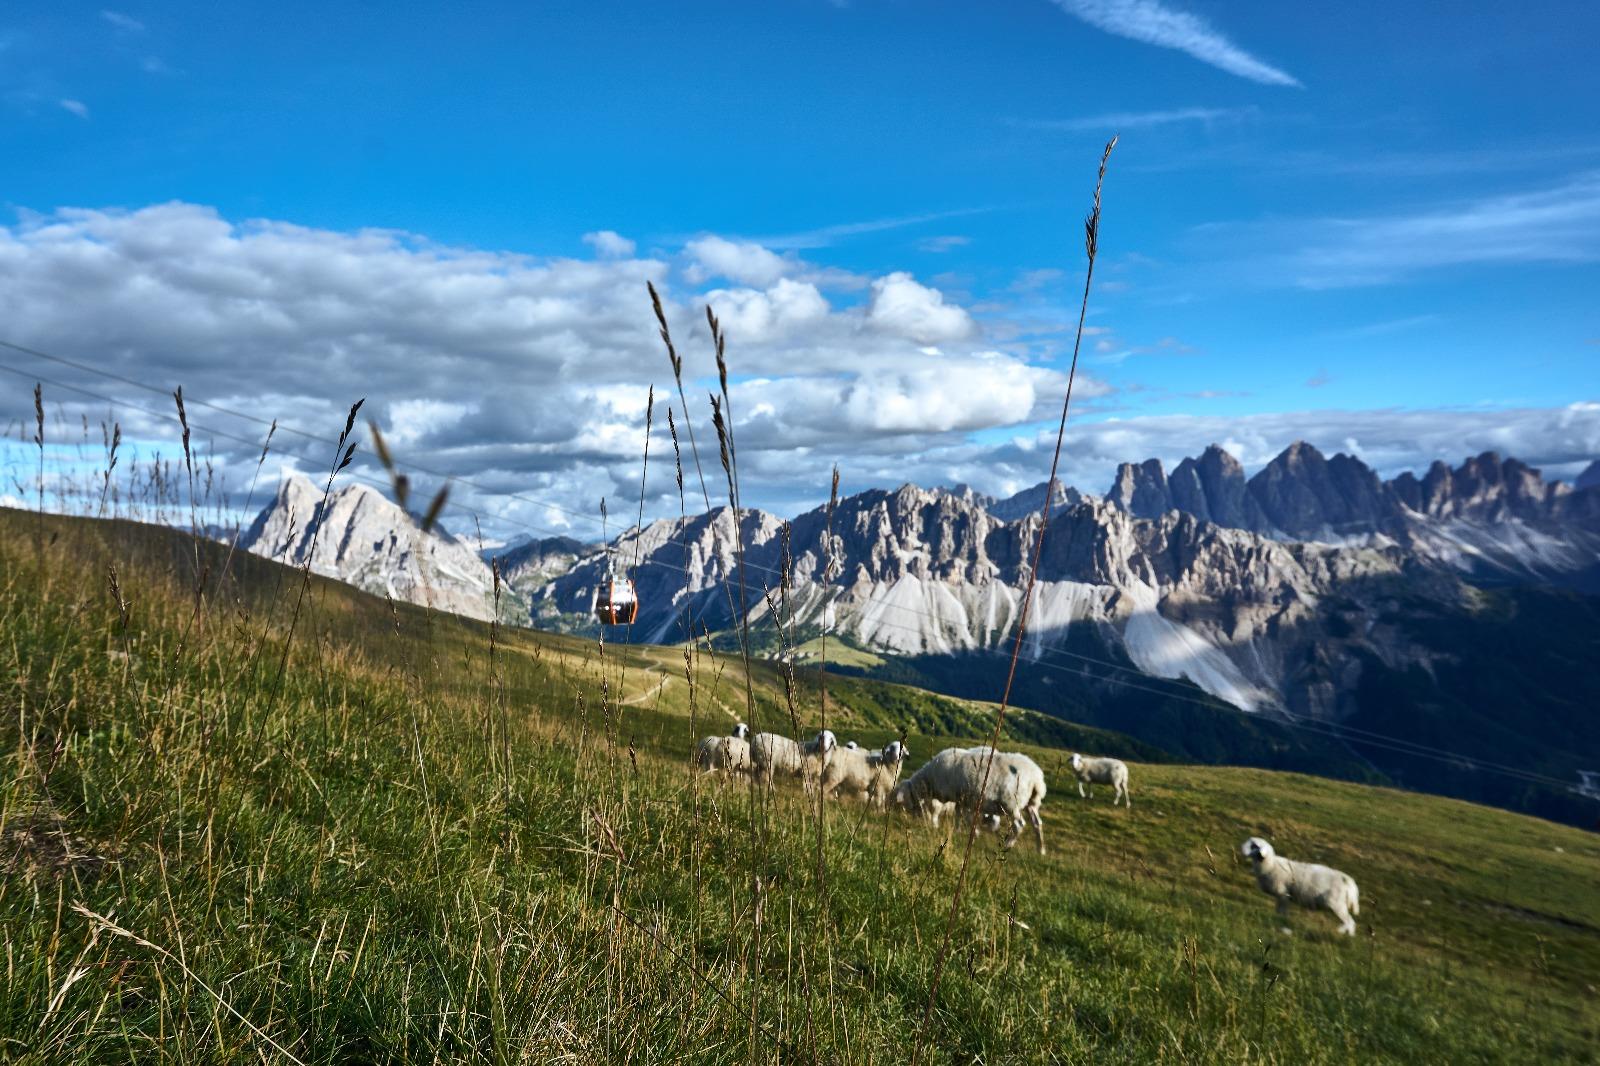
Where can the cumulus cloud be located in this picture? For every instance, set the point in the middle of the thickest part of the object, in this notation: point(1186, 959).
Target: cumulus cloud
point(742, 262)
point(609, 244)
point(900, 305)
point(758, 316)
point(1152, 22)
point(525, 376)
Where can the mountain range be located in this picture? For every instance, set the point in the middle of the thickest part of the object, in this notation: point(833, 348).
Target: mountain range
point(1307, 594)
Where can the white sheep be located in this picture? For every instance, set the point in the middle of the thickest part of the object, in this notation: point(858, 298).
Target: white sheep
point(772, 754)
point(1113, 772)
point(851, 745)
point(871, 775)
point(730, 754)
point(1305, 883)
point(1001, 786)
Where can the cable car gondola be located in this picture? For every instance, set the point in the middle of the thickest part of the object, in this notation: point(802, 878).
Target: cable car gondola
point(616, 602)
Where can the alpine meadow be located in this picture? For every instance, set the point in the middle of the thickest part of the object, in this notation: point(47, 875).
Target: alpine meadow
point(800, 533)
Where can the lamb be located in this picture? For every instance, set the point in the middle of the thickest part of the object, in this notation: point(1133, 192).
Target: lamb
point(772, 754)
point(956, 776)
point(1113, 772)
point(1305, 883)
point(730, 754)
point(868, 774)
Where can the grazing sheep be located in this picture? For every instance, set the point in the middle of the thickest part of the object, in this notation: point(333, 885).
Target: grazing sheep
point(851, 745)
point(1113, 772)
point(1305, 883)
point(730, 754)
point(870, 775)
point(956, 776)
point(772, 754)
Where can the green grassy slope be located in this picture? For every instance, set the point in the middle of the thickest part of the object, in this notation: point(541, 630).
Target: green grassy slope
point(418, 846)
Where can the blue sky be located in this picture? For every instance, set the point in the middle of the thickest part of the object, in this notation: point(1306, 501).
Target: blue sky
point(1376, 227)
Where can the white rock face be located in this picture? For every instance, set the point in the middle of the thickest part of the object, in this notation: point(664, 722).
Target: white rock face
point(920, 572)
point(364, 539)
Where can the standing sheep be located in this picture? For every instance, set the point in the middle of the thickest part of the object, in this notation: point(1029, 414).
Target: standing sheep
point(772, 754)
point(730, 754)
point(1113, 772)
point(871, 775)
point(1305, 883)
point(1009, 789)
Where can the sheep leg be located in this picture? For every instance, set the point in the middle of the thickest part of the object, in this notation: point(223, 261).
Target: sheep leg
point(1016, 830)
point(1038, 827)
point(1080, 790)
point(1347, 924)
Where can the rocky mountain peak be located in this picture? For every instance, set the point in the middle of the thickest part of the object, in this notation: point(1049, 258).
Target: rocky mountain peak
point(361, 537)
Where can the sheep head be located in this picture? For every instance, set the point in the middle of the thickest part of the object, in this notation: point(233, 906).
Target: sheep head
point(741, 731)
point(1257, 850)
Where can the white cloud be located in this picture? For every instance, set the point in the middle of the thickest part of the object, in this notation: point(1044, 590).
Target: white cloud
point(609, 244)
point(1152, 22)
point(1556, 224)
point(824, 236)
point(125, 23)
point(942, 244)
point(900, 305)
point(413, 421)
point(1118, 121)
point(749, 315)
point(524, 375)
point(76, 107)
point(742, 262)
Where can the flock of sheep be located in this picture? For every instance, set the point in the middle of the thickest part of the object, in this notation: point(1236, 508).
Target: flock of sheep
point(1006, 789)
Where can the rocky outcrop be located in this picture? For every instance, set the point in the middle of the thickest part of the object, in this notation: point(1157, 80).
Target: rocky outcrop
point(1031, 502)
point(1490, 518)
point(919, 572)
point(1141, 489)
point(360, 537)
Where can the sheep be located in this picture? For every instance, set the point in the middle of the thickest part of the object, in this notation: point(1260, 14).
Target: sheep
point(730, 754)
point(851, 745)
point(1113, 772)
point(1006, 789)
point(772, 754)
point(1305, 883)
point(868, 774)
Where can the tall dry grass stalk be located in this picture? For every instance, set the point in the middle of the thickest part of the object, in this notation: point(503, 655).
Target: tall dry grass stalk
point(1091, 245)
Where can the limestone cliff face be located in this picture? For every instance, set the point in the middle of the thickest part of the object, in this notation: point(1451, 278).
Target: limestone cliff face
point(1267, 592)
point(918, 571)
point(1488, 518)
point(362, 538)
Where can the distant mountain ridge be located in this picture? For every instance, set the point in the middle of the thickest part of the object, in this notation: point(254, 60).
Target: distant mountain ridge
point(1490, 518)
point(1313, 593)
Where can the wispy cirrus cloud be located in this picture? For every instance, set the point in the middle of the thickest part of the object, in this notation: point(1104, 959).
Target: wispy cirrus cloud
point(944, 243)
point(125, 23)
point(823, 236)
point(76, 107)
point(1133, 120)
point(1152, 22)
point(1557, 224)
